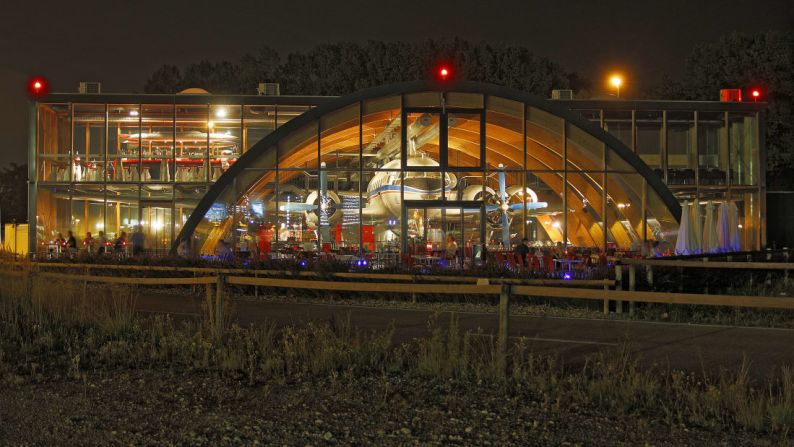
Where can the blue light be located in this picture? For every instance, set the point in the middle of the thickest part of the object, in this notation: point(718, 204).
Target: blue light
point(567, 276)
point(304, 263)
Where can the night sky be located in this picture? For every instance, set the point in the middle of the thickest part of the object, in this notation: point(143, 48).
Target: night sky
point(121, 43)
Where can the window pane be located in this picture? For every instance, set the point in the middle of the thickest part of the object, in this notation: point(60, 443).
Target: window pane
point(259, 122)
point(744, 148)
point(339, 138)
point(585, 152)
point(463, 140)
point(54, 143)
point(681, 163)
point(544, 140)
point(381, 129)
point(712, 148)
point(123, 138)
point(192, 139)
point(504, 134)
point(156, 141)
point(89, 143)
point(649, 139)
point(225, 138)
point(298, 150)
point(618, 124)
point(423, 139)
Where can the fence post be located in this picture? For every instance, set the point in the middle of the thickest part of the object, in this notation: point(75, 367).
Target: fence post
point(504, 316)
point(256, 288)
point(219, 294)
point(85, 282)
point(768, 281)
point(785, 272)
point(632, 286)
point(210, 289)
point(618, 286)
point(29, 283)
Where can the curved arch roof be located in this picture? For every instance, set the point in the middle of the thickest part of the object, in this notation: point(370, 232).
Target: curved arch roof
point(265, 148)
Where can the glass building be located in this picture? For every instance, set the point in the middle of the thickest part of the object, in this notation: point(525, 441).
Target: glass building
point(388, 169)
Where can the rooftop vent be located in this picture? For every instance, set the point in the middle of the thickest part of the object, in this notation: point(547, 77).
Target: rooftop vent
point(90, 88)
point(268, 89)
point(731, 95)
point(193, 91)
point(562, 94)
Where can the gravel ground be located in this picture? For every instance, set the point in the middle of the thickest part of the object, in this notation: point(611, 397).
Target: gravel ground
point(166, 408)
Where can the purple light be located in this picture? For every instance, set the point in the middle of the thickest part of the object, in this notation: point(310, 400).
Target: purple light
point(567, 276)
point(304, 263)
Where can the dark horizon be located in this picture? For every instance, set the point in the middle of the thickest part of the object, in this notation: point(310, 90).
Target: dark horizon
point(121, 47)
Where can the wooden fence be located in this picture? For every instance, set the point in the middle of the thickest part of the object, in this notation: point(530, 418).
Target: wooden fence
point(217, 280)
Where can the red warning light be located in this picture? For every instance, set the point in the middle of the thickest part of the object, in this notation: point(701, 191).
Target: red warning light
point(443, 73)
point(756, 94)
point(37, 87)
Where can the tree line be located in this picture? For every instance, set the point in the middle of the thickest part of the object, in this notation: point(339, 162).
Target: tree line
point(341, 68)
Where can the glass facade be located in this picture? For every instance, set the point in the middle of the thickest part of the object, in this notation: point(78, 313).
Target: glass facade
point(706, 153)
point(389, 176)
point(403, 175)
point(117, 166)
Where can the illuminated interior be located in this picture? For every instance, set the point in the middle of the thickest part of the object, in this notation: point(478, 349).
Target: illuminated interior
point(389, 170)
point(388, 174)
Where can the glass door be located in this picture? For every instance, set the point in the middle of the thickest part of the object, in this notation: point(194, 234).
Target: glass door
point(446, 235)
point(156, 223)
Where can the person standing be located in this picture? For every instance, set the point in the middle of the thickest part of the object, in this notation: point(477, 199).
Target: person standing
point(451, 251)
point(137, 241)
point(522, 250)
point(71, 243)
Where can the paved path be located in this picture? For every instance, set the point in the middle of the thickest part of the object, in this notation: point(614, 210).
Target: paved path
point(665, 345)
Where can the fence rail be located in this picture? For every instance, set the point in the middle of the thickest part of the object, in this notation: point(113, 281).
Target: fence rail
point(749, 265)
point(216, 280)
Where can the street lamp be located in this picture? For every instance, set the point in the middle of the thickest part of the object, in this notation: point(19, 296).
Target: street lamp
point(617, 81)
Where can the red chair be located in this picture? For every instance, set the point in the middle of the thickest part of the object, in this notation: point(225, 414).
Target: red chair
point(520, 262)
point(499, 258)
point(548, 263)
point(534, 263)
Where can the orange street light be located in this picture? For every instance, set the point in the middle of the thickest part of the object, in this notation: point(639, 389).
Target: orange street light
point(616, 81)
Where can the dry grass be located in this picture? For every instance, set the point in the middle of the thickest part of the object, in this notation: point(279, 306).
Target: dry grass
point(64, 329)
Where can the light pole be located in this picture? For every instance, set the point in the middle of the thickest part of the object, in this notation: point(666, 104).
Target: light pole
point(617, 81)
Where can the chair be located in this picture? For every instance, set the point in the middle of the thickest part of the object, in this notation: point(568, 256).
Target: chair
point(535, 263)
point(548, 263)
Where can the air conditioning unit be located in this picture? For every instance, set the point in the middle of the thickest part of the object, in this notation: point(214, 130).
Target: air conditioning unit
point(268, 89)
point(562, 94)
point(90, 88)
point(731, 95)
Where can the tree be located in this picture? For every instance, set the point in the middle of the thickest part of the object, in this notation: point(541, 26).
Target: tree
point(765, 60)
point(340, 68)
point(13, 193)
point(166, 79)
